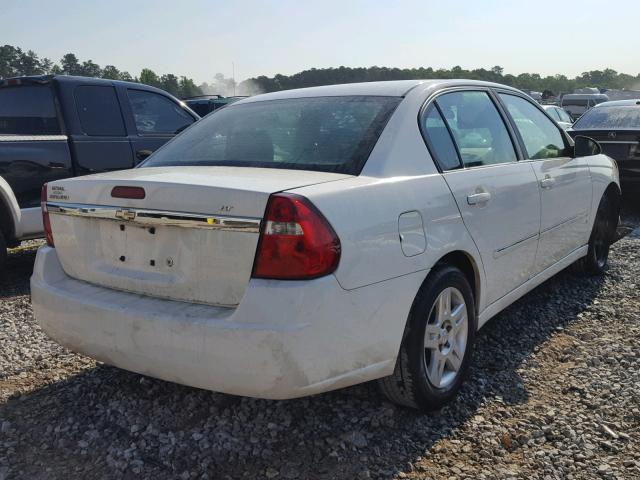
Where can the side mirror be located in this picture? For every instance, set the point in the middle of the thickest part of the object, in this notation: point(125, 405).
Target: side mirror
point(586, 147)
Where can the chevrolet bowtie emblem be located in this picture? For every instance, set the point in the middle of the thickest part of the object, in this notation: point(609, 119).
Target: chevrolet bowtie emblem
point(125, 214)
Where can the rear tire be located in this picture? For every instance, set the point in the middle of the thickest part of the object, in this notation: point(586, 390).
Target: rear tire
point(602, 236)
point(437, 347)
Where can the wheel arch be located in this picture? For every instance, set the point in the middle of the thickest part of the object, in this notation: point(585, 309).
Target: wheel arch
point(464, 262)
point(9, 212)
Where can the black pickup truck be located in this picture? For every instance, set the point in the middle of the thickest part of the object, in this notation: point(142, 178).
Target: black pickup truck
point(54, 127)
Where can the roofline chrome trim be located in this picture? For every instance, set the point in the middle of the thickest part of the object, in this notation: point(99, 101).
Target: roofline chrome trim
point(148, 217)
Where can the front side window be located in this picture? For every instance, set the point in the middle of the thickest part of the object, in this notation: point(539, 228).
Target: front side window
point(477, 127)
point(439, 140)
point(564, 116)
point(541, 137)
point(28, 110)
point(331, 134)
point(156, 114)
point(99, 111)
point(610, 118)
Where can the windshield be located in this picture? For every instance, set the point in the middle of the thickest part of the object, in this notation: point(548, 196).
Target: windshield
point(331, 134)
point(609, 118)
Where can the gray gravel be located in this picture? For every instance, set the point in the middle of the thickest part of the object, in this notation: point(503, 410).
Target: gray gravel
point(554, 393)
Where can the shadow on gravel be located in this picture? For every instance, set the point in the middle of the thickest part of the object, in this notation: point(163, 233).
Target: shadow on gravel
point(14, 280)
point(137, 426)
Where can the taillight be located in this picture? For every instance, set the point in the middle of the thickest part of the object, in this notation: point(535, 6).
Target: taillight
point(45, 216)
point(296, 241)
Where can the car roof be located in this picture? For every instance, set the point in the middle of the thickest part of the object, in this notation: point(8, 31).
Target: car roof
point(394, 88)
point(619, 103)
point(73, 79)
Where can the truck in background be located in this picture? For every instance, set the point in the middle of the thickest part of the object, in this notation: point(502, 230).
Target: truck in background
point(54, 127)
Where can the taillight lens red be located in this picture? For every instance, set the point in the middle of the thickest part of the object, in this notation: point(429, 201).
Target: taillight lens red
point(46, 222)
point(296, 241)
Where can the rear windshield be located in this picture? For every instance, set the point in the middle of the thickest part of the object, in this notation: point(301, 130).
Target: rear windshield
point(329, 134)
point(609, 118)
point(28, 110)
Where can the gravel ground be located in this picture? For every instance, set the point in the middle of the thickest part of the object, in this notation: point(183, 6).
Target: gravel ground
point(554, 393)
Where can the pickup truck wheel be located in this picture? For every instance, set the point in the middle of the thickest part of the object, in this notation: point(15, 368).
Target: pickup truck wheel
point(602, 236)
point(437, 348)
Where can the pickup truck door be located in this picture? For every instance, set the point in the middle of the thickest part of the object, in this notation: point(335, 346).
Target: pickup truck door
point(496, 194)
point(152, 119)
point(564, 181)
point(100, 142)
point(33, 148)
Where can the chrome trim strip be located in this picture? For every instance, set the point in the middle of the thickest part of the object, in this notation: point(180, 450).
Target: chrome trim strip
point(32, 138)
point(564, 223)
point(620, 142)
point(509, 248)
point(156, 217)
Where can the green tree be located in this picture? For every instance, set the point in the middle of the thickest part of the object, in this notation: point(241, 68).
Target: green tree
point(149, 77)
point(188, 88)
point(90, 69)
point(170, 83)
point(70, 65)
point(111, 72)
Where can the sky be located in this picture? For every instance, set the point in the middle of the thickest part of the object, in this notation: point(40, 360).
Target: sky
point(200, 38)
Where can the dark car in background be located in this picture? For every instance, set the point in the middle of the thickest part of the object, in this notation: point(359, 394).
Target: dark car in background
point(55, 127)
point(205, 104)
point(616, 126)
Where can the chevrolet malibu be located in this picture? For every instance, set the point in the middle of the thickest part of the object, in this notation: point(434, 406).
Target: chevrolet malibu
point(302, 241)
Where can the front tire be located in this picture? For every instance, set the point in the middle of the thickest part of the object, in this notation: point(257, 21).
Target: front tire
point(438, 344)
point(602, 236)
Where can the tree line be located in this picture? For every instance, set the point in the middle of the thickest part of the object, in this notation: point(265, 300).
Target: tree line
point(15, 62)
point(551, 85)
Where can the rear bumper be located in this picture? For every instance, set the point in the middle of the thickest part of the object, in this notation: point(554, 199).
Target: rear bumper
point(284, 340)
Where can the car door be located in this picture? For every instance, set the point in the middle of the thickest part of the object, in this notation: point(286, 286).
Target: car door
point(565, 182)
point(156, 120)
point(496, 194)
point(102, 143)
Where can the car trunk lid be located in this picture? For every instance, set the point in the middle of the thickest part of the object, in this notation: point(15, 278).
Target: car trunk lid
point(191, 238)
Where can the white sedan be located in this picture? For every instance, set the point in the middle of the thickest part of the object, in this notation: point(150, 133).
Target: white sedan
point(302, 241)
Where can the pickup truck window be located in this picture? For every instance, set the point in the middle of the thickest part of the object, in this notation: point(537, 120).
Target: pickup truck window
point(28, 110)
point(99, 111)
point(156, 114)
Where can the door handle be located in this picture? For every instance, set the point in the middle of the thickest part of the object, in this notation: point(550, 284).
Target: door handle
point(547, 182)
point(478, 198)
point(142, 154)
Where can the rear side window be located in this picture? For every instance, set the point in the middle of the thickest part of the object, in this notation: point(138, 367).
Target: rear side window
point(99, 111)
point(610, 118)
point(439, 140)
point(329, 134)
point(28, 110)
point(477, 127)
point(156, 114)
point(553, 113)
point(541, 137)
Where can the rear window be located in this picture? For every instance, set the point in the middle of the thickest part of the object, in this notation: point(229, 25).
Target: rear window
point(331, 134)
point(610, 118)
point(28, 110)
